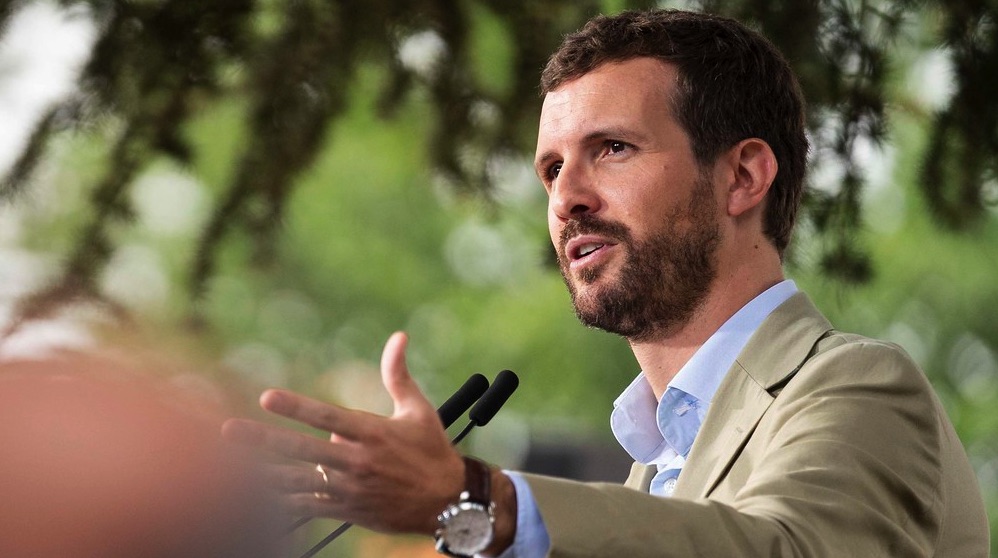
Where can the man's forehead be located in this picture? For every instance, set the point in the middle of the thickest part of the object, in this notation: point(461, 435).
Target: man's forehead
point(650, 62)
point(613, 95)
point(632, 78)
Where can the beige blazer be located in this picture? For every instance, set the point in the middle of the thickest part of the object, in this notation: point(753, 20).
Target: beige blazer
point(817, 444)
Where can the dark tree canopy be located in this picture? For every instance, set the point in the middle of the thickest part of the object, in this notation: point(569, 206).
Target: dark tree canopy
point(156, 63)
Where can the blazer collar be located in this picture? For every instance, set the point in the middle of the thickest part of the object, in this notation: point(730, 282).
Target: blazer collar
point(772, 356)
point(783, 342)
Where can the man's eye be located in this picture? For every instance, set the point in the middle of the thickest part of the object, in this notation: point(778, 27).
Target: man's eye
point(554, 170)
point(616, 146)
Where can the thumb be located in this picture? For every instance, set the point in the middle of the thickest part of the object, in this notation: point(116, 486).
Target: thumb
point(395, 376)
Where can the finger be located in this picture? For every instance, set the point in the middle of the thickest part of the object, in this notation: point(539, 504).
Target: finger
point(331, 418)
point(295, 479)
point(308, 505)
point(337, 498)
point(406, 395)
point(287, 443)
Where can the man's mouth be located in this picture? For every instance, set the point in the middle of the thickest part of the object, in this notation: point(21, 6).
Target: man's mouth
point(587, 247)
point(588, 242)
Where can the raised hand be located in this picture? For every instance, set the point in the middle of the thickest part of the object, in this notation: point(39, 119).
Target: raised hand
point(390, 474)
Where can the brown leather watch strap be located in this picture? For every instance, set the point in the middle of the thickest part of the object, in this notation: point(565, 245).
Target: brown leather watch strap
point(477, 481)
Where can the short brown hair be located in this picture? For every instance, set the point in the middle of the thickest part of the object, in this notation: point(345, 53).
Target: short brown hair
point(733, 84)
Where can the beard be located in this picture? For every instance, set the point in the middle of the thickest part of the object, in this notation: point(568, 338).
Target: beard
point(664, 279)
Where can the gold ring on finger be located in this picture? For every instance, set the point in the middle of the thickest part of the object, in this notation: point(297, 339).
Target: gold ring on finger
point(325, 483)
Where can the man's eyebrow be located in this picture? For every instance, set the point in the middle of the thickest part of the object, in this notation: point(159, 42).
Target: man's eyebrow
point(613, 132)
point(601, 134)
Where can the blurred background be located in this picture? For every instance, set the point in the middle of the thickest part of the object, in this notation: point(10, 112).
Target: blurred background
point(269, 188)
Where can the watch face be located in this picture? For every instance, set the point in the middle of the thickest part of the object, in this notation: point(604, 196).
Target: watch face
point(467, 529)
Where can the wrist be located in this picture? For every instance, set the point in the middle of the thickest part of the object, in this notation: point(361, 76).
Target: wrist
point(504, 498)
point(467, 527)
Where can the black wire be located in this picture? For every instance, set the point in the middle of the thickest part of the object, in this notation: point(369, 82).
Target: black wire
point(457, 439)
point(297, 524)
point(329, 538)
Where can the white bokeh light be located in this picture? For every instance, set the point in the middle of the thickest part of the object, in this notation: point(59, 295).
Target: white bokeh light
point(41, 53)
point(170, 203)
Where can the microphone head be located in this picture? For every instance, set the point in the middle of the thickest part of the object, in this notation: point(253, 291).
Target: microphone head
point(463, 398)
point(504, 385)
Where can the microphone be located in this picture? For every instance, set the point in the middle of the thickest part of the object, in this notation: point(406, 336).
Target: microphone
point(488, 404)
point(495, 397)
point(463, 398)
point(502, 388)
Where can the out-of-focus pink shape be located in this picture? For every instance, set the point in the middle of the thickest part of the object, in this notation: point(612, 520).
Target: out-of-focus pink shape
point(97, 459)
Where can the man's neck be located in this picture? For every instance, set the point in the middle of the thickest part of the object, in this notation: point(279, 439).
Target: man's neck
point(662, 357)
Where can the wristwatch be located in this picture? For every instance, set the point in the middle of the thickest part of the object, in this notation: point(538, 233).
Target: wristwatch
point(466, 527)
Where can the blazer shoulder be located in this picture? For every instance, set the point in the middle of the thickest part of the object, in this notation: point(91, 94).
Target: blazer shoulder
point(857, 358)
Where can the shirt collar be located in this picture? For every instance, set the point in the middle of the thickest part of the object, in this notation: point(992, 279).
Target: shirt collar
point(634, 419)
point(702, 374)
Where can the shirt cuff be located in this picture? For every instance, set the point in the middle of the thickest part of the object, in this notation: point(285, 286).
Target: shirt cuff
point(531, 539)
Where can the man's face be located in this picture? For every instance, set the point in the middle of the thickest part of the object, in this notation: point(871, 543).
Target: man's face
point(632, 215)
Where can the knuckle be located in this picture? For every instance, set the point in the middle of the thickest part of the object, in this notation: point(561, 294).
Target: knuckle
point(364, 469)
point(327, 416)
point(376, 437)
point(348, 492)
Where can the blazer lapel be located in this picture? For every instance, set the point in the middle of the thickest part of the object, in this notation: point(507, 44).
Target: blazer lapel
point(772, 356)
point(640, 477)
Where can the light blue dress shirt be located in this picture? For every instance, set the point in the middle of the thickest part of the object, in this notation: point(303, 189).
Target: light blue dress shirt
point(656, 432)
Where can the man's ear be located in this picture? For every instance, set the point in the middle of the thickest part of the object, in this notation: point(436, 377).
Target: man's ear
point(754, 167)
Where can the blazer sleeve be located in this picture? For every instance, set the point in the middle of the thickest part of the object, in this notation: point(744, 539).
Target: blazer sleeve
point(847, 460)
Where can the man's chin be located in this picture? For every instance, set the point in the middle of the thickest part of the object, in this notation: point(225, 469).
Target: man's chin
point(590, 304)
point(596, 317)
point(590, 277)
point(586, 294)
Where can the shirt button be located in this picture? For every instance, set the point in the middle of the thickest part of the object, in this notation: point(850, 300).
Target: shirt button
point(668, 487)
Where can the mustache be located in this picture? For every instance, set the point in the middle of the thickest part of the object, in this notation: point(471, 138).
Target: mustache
point(589, 224)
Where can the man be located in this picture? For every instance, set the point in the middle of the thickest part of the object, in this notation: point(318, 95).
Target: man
point(672, 148)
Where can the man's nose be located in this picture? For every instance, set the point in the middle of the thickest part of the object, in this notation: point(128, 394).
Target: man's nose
point(574, 193)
